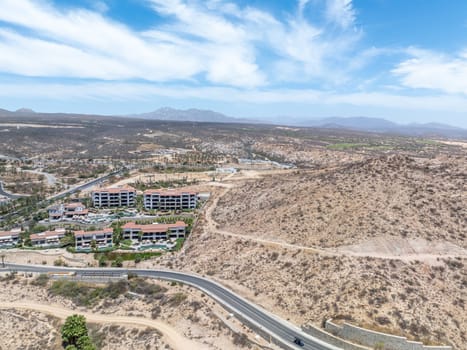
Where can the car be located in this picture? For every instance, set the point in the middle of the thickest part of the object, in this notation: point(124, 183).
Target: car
point(298, 342)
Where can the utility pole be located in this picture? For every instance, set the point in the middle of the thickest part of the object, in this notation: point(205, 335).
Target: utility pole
point(3, 260)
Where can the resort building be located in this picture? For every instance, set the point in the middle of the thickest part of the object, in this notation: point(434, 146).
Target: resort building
point(114, 197)
point(103, 238)
point(56, 212)
point(153, 232)
point(9, 239)
point(75, 210)
point(47, 239)
point(170, 200)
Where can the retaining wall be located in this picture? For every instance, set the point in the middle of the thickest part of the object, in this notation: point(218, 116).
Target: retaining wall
point(331, 339)
point(372, 339)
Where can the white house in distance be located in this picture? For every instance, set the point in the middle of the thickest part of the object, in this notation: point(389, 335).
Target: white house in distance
point(114, 197)
point(9, 239)
point(47, 239)
point(170, 199)
point(153, 232)
point(103, 239)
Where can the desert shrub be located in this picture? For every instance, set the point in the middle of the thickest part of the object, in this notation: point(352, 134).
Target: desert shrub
point(41, 280)
point(85, 295)
point(240, 340)
point(141, 286)
point(177, 299)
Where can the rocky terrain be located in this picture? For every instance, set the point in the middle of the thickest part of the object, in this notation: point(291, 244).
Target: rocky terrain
point(420, 300)
point(188, 314)
point(388, 237)
point(394, 196)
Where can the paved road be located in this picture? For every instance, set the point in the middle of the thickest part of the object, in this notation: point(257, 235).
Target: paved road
point(51, 179)
point(85, 185)
point(9, 195)
point(281, 330)
point(62, 194)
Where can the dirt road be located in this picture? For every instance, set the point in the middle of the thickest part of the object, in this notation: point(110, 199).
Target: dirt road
point(170, 335)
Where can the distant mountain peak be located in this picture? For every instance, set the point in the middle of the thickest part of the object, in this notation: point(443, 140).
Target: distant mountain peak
point(192, 115)
point(25, 110)
point(380, 125)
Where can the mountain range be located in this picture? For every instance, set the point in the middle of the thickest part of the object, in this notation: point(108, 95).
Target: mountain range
point(366, 124)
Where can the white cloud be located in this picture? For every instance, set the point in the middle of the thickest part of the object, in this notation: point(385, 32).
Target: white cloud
point(340, 12)
point(100, 6)
point(431, 70)
point(115, 91)
point(215, 40)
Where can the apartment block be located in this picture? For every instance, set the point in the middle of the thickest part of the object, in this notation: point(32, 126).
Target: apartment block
point(103, 239)
point(170, 200)
point(9, 239)
point(153, 232)
point(114, 197)
point(47, 239)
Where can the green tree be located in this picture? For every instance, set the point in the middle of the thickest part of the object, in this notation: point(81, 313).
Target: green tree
point(118, 262)
point(73, 329)
point(102, 261)
point(85, 343)
point(94, 245)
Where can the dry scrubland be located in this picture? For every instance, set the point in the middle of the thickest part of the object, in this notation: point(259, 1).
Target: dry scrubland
point(28, 330)
point(192, 314)
point(405, 213)
point(388, 198)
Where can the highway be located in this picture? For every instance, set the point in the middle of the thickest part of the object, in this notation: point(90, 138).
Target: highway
point(271, 326)
point(84, 186)
point(59, 195)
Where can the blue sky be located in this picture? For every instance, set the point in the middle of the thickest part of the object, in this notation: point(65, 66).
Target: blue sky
point(401, 60)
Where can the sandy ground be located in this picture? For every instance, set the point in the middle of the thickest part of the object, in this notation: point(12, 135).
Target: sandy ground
point(387, 247)
point(47, 257)
point(176, 340)
point(411, 249)
point(195, 322)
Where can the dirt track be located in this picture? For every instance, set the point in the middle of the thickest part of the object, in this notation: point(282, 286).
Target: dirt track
point(170, 335)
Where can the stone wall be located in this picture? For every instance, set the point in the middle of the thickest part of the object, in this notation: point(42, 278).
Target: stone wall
point(374, 339)
point(331, 339)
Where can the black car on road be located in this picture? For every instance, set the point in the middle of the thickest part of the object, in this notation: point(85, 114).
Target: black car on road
point(298, 342)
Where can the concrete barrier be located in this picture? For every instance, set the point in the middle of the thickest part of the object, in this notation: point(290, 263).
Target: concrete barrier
point(331, 339)
point(374, 339)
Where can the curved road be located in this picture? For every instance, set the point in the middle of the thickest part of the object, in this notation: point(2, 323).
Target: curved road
point(281, 331)
point(10, 195)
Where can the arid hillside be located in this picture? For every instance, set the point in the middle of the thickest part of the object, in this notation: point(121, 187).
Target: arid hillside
point(389, 196)
point(390, 239)
point(414, 299)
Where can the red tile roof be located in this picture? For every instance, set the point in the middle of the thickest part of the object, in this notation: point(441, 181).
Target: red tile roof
point(8, 234)
point(74, 205)
point(116, 189)
point(91, 233)
point(80, 212)
point(166, 193)
point(154, 227)
point(48, 234)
